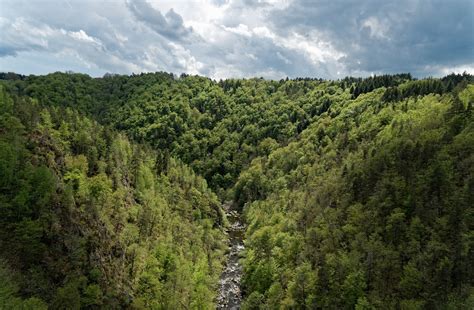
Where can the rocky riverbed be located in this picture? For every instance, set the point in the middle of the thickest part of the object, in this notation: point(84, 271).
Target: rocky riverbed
point(230, 295)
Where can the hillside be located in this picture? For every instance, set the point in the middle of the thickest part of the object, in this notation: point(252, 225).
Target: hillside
point(90, 219)
point(356, 193)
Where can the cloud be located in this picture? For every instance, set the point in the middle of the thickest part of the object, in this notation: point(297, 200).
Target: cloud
point(238, 38)
point(18, 36)
point(377, 28)
point(82, 36)
point(387, 36)
point(170, 26)
point(21, 35)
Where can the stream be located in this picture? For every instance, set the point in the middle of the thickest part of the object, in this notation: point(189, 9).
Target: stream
point(230, 295)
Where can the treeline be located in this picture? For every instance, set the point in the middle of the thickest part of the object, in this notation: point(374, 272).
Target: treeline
point(87, 221)
point(427, 86)
point(360, 86)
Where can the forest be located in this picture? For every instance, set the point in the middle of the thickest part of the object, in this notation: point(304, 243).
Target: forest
point(356, 193)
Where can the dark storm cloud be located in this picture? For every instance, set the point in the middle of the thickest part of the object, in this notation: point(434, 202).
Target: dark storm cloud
point(387, 36)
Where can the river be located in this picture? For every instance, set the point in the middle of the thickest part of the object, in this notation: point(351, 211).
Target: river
point(230, 295)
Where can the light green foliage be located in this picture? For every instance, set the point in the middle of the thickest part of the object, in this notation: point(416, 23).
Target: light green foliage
point(357, 193)
point(378, 200)
point(86, 209)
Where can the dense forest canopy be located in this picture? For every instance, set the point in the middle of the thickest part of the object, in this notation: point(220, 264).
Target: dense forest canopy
point(357, 193)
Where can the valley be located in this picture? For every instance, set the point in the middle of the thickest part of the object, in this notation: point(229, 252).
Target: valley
point(348, 193)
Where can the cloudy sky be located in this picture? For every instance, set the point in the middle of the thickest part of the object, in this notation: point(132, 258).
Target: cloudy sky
point(238, 38)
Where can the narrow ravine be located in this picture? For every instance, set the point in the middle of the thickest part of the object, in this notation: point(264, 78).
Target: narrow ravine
point(230, 295)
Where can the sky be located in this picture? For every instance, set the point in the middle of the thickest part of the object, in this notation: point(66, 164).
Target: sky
point(273, 39)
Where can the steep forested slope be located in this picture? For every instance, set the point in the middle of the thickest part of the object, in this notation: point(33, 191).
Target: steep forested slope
point(90, 219)
point(372, 207)
point(357, 193)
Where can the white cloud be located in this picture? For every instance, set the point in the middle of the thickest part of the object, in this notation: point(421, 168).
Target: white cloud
point(241, 29)
point(224, 38)
point(82, 36)
point(186, 60)
point(316, 50)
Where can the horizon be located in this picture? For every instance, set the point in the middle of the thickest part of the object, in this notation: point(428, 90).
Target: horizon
point(181, 75)
point(223, 39)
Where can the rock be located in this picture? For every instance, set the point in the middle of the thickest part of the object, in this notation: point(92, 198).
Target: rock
point(229, 292)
